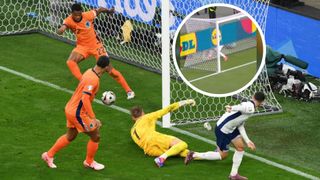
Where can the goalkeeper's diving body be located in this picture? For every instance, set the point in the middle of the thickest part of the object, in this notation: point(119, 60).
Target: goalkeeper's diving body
point(230, 129)
point(156, 144)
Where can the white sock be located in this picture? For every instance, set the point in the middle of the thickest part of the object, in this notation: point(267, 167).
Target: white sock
point(210, 155)
point(237, 158)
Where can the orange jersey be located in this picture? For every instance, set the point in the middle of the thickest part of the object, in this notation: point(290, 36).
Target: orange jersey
point(89, 85)
point(84, 30)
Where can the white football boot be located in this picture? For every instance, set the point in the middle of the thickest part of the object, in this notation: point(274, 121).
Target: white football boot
point(94, 165)
point(48, 160)
point(130, 95)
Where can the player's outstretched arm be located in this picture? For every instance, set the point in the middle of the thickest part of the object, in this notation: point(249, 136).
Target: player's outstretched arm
point(245, 107)
point(225, 57)
point(61, 30)
point(105, 10)
point(245, 137)
point(172, 107)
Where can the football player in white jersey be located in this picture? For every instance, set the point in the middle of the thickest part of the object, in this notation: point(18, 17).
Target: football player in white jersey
point(230, 129)
point(212, 52)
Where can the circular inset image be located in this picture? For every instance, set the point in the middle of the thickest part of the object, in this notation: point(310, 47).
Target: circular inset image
point(219, 50)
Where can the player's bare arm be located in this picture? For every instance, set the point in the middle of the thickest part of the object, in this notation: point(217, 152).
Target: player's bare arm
point(251, 145)
point(61, 30)
point(105, 10)
point(99, 124)
point(245, 137)
point(228, 108)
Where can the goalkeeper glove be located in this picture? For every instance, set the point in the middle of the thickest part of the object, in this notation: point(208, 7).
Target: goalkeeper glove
point(187, 102)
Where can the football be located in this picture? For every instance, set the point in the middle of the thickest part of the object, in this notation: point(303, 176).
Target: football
point(108, 97)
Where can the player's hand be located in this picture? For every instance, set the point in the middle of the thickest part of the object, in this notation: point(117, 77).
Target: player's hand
point(228, 108)
point(191, 102)
point(225, 58)
point(98, 122)
point(111, 10)
point(61, 30)
point(251, 145)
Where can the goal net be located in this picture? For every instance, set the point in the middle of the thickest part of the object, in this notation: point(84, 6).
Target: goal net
point(15, 16)
point(133, 35)
point(207, 60)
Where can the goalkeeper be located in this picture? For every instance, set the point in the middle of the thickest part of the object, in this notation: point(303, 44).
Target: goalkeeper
point(153, 143)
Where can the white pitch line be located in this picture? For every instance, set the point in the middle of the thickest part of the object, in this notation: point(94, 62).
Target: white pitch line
point(236, 67)
point(261, 159)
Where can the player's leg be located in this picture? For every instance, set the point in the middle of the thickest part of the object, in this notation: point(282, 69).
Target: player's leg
point(221, 152)
point(61, 142)
point(173, 146)
point(76, 56)
point(237, 158)
point(176, 147)
point(225, 57)
point(115, 74)
point(209, 155)
point(184, 153)
point(92, 148)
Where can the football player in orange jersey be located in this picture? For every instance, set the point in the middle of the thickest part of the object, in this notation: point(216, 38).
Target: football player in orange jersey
point(88, 43)
point(81, 118)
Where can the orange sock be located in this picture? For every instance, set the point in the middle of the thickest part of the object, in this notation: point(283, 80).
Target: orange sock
point(120, 79)
point(92, 148)
point(60, 143)
point(74, 68)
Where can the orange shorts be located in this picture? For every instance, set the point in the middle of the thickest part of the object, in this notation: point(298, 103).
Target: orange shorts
point(83, 123)
point(96, 51)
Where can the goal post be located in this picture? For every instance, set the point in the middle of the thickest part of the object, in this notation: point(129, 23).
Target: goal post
point(165, 27)
point(218, 49)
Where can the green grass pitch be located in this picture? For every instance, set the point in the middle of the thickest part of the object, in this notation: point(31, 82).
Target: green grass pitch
point(32, 118)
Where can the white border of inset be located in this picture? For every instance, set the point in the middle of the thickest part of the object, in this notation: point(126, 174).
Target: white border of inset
point(262, 64)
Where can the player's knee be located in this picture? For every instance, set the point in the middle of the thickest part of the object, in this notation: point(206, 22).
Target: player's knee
point(223, 155)
point(176, 141)
point(70, 62)
point(71, 137)
point(96, 138)
point(184, 144)
point(74, 59)
point(240, 148)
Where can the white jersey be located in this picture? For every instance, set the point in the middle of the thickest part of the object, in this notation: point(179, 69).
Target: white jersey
point(212, 53)
point(238, 115)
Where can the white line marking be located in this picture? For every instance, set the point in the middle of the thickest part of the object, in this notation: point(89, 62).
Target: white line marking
point(266, 161)
point(236, 67)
